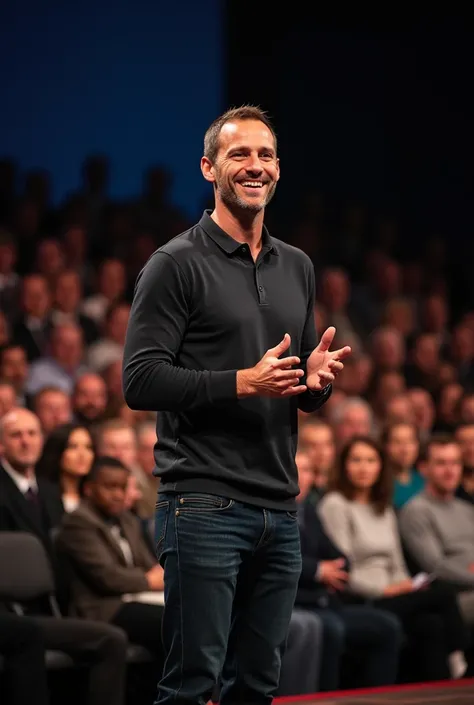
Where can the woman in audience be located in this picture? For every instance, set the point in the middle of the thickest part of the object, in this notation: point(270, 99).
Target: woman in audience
point(67, 458)
point(401, 445)
point(358, 517)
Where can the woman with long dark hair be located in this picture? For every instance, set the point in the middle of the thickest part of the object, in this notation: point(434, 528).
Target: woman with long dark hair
point(358, 516)
point(67, 458)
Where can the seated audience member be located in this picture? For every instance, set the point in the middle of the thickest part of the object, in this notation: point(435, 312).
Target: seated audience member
point(67, 457)
point(115, 577)
point(358, 517)
point(438, 528)
point(22, 650)
point(34, 505)
point(355, 628)
point(27, 503)
point(318, 438)
point(53, 408)
point(465, 437)
point(401, 446)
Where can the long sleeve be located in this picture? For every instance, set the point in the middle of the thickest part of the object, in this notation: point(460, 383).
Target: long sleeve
point(80, 544)
point(311, 401)
point(157, 325)
point(424, 545)
point(399, 568)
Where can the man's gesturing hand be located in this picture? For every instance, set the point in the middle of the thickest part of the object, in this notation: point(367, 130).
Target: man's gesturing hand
point(323, 366)
point(273, 376)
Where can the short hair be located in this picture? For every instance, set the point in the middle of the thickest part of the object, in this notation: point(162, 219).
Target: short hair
point(103, 461)
point(437, 439)
point(382, 491)
point(389, 428)
point(47, 390)
point(245, 112)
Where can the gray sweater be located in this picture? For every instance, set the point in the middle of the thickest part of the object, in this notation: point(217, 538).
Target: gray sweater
point(370, 541)
point(440, 536)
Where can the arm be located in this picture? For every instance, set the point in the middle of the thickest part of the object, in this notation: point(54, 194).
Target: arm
point(399, 569)
point(157, 326)
point(310, 401)
point(425, 547)
point(98, 566)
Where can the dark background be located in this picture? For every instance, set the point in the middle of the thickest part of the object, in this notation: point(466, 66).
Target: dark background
point(366, 107)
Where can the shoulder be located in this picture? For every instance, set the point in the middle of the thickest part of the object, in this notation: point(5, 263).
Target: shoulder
point(415, 506)
point(333, 501)
point(293, 254)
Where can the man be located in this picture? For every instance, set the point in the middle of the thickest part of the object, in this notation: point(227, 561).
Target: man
point(202, 347)
point(437, 527)
point(358, 629)
point(26, 503)
point(32, 506)
point(115, 576)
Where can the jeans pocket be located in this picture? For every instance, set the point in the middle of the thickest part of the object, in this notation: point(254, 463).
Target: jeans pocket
point(292, 515)
point(162, 509)
point(194, 502)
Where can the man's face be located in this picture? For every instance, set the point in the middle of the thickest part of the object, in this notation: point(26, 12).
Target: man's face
point(465, 438)
point(246, 169)
point(14, 367)
point(107, 492)
point(90, 399)
point(443, 467)
point(22, 441)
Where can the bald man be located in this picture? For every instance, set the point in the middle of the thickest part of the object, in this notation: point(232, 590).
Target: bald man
point(26, 503)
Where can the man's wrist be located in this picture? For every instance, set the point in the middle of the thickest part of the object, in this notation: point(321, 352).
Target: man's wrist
point(244, 384)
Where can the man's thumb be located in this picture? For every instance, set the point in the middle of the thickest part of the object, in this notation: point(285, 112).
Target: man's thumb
point(281, 347)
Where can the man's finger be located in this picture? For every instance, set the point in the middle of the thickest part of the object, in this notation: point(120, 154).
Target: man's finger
point(335, 365)
point(282, 346)
point(289, 374)
point(326, 339)
point(326, 376)
point(286, 363)
point(292, 391)
point(342, 353)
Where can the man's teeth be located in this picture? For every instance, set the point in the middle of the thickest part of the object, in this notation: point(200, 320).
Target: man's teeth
point(253, 184)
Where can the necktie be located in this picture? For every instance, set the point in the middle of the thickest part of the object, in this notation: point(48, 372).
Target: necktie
point(31, 495)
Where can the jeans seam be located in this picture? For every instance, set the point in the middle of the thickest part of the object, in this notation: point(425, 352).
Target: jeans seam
point(180, 612)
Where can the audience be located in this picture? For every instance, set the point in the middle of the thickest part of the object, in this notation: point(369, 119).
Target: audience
point(66, 280)
point(346, 628)
point(438, 528)
point(358, 516)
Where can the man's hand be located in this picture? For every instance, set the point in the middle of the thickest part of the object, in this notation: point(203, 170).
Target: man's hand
point(331, 573)
point(471, 568)
point(155, 578)
point(272, 376)
point(323, 365)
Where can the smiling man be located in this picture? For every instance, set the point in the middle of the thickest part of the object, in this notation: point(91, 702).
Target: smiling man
point(221, 341)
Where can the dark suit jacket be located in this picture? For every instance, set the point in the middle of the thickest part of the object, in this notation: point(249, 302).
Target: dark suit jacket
point(100, 574)
point(34, 343)
point(316, 546)
point(19, 514)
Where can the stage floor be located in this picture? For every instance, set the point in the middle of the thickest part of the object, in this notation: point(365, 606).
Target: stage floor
point(445, 693)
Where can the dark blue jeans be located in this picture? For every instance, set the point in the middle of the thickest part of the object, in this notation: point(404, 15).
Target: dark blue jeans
point(231, 574)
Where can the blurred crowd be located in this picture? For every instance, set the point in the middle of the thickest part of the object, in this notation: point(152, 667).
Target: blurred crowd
point(386, 467)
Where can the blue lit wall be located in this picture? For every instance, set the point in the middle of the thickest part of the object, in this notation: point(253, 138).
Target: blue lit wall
point(139, 81)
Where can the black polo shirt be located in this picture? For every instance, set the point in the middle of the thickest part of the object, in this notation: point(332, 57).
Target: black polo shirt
point(202, 310)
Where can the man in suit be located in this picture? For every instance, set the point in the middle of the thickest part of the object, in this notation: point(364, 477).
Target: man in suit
point(28, 504)
point(367, 631)
point(115, 579)
point(33, 327)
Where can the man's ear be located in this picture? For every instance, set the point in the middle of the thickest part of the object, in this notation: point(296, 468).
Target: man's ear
point(422, 468)
point(207, 169)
